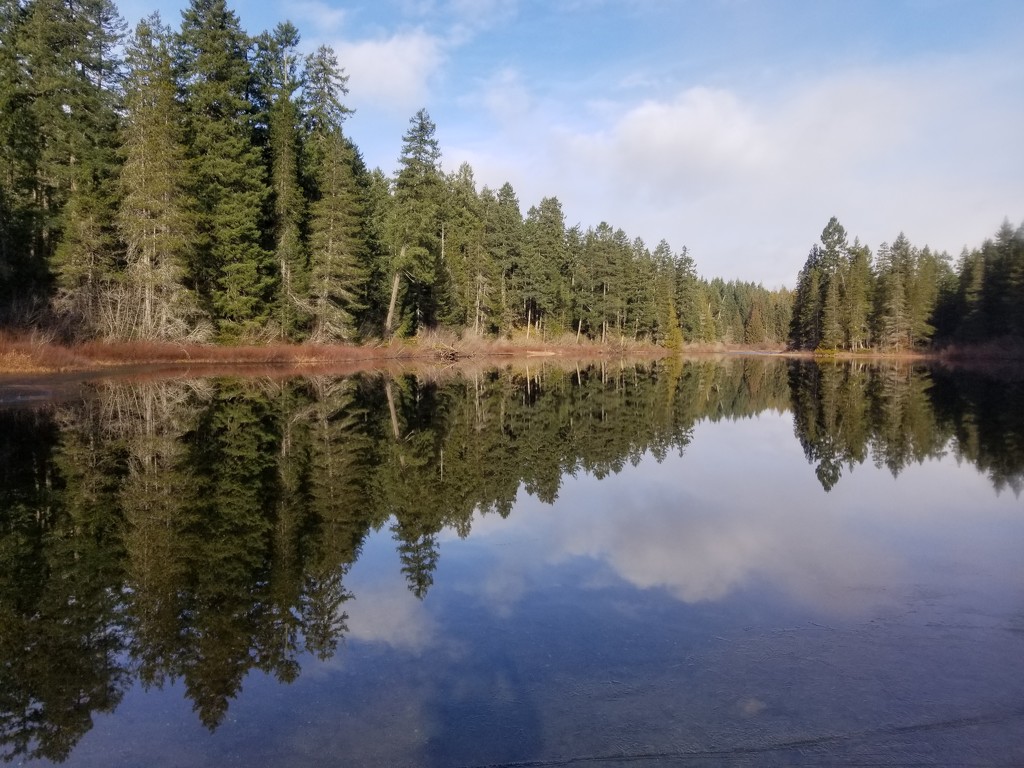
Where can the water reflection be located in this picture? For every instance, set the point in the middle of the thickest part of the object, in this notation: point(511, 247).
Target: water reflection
point(901, 415)
point(193, 532)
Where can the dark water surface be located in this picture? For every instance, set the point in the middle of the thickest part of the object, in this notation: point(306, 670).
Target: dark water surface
point(745, 562)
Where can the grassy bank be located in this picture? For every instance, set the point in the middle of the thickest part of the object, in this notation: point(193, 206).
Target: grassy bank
point(29, 353)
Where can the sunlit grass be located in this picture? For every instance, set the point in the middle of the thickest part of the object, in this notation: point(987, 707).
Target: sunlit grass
point(34, 353)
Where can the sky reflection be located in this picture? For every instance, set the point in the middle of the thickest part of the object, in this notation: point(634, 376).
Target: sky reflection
point(739, 510)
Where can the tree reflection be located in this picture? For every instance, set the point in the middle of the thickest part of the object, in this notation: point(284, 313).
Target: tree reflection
point(898, 415)
point(192, 531)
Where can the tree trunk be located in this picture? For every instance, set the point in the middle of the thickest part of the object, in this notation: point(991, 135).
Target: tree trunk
point(391, 305)
point(391, 408)
point(476, 317)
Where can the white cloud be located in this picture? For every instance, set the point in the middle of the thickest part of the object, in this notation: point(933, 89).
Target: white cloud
point(748, 180)
point(393, 72)
point(321, 17)
point(470, 17)
point(657, 526)
point(506, 98)
point(387, 612)
point(703, 134)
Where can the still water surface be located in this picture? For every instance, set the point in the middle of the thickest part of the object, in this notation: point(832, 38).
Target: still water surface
point(745, 563)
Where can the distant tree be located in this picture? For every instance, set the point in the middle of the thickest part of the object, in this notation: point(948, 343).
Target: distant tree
point(891, 316)
point(465, 258)
point(856, 300)
point(805, 330)
point(504, 243)
point(545, 263)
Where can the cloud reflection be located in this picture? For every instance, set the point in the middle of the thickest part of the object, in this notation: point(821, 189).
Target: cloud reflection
point(693, 527)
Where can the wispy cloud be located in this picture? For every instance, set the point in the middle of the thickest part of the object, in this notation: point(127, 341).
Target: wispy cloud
point(922, 147)
point(318, 16)
point(393, 72)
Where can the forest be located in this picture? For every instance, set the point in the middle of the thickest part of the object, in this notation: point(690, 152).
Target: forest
point(197, 184)
point(903, 298)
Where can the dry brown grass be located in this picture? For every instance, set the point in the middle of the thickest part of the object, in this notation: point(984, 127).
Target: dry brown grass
point(32, 353)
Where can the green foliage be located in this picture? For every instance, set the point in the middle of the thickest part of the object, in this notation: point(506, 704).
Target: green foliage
point(414, 227)
point(214, 191)
point(280, 76)
point(907, 298)
point(63, 159)
point(234, 274)
point(153, 221)
point(336, 247)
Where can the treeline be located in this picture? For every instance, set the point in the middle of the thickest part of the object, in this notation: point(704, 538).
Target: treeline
point(903, 298)
point(198, 183)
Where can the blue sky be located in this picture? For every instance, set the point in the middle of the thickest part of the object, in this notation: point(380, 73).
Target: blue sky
point(735, 128)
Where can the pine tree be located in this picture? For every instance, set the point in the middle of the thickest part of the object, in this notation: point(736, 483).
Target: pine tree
point(504, 243)
point(805, 329)
point(22, 266)
point(73, 75)
point(377, 201)
point(463, 249)
point(153, 219)
point(234, 274)
point(336, 270)
point(857, 297)
point(415, 226)
point(891, 312)
point(831, 328)
point(923, 295)
point(544, 262)
point(281, 78)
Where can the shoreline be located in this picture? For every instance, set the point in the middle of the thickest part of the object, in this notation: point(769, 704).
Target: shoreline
point(26, 357)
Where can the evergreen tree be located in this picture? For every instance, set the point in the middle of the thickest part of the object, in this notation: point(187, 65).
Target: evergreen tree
point(687, 295)
point(415, 225)
point(23, 266)
point(891, 312)
point(504, 243)
point(831, 328)
point(463, 250)
point(377, 202)
point(544, 263)
point(235, 275)
point(856, 313)
point(153, 219)
point(73, 75)
point(281, 78)
point(336, 270)
point(805, 329)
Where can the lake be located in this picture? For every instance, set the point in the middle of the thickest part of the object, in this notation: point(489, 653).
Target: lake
point(744, 561)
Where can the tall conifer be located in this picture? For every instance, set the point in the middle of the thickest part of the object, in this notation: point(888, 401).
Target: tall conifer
point(153, 219)
point(336, 270)
point(234, 273)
